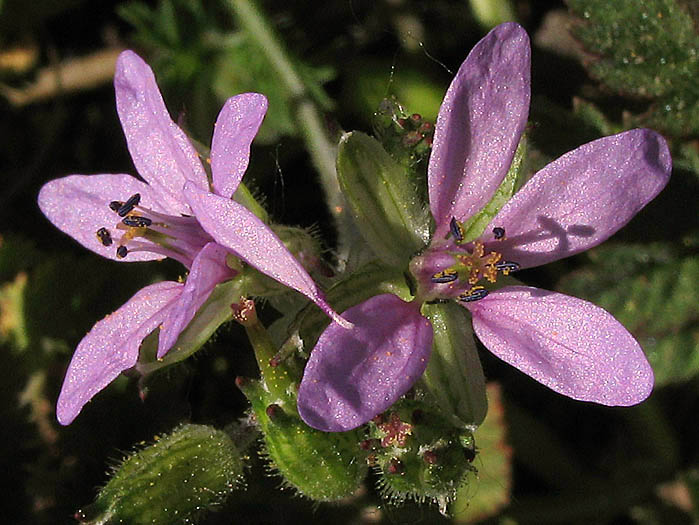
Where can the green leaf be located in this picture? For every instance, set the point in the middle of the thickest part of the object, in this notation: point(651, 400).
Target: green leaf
point(490, 491)
point(647, 49)
point(652, 290)
point(385, 203)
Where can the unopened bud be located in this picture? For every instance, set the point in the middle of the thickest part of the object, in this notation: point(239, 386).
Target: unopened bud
point(171, 481)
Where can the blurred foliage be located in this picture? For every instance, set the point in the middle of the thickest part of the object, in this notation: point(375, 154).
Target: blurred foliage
point(569, 462)
point(649, 50)
point(203, 60)
point(652, 289)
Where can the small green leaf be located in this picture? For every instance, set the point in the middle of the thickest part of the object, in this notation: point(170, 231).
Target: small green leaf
point(385, 203)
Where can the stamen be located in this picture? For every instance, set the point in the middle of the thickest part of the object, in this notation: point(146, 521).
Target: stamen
point(115, 205)
point(129, 205)
point(446, 276)
point(137, 221)
point(506, 267)
point(122, 251)
point(474, 294)
point(456, 229)
point(104, 237)
point(498, 233)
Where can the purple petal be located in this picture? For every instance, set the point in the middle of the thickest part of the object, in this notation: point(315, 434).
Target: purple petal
point(572, 346)
point(583, 197)
point(238, 229)
point(236, 127)
point(208, 269)
point(353, 375)
point(112, 346)
point(479, 125)
point(79, 206)
point(161, 151)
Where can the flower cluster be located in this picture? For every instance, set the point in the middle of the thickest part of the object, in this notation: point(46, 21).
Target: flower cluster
point(178, 213)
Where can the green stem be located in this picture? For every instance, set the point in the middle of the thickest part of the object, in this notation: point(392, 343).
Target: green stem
point(275, 377)
point(308, 116)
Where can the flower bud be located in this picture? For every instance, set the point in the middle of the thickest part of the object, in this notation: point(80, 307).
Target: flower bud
point(305, 247)
point(174, 480)
point(385, 201)
point(422, 456)
point(319, 465)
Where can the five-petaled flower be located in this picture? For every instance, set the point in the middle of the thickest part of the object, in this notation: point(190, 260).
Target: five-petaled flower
point(175, 213)
point(571, 205)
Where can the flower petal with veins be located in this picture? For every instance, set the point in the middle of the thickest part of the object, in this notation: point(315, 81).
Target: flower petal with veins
point(208, 270)
point(479, 125)
point(235, 128)
point(582, 198)
point(112, 346)
point(160, 150)
point(572, 346)
point(79, 206)
point(353, 375)
point(235, 227)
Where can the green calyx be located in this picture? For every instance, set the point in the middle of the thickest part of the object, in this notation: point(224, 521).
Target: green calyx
point(454, 377)
point(383, 197)
point(321, 466)
point(174, 480)
point(419, 454)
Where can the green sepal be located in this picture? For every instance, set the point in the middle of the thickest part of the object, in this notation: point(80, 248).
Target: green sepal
point(454, 376)
point(384, 200)
point(174, 480)
point(212, 314)
point(372, 279)
point(475, 225)
point(323, 466)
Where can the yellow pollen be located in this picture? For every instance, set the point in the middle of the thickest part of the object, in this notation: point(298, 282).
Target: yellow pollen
point(479, 265)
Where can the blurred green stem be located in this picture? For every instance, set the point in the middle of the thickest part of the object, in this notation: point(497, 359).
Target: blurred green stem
point(308, 116)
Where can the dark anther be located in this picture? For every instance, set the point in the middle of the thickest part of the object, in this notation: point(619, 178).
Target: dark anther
point(456, 230)
point(498, 232)
point(395, 466)
point(129, 205)
point(122, 251)
point(429, 457)
point(137, 221)
point(474, 294)
point(447, 276)
point(104, 237)
point(470, 454)
point(115, 205)
point(507, 266)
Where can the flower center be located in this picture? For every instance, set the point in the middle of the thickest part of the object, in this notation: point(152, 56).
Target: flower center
point(145, 230)
point(460, 268)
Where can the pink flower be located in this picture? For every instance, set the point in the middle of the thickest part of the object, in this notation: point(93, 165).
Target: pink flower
point(571, 205)
point(172, 214)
